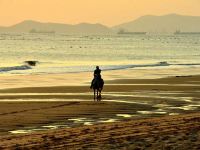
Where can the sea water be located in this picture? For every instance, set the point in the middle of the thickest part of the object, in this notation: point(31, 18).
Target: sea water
point(60, 53)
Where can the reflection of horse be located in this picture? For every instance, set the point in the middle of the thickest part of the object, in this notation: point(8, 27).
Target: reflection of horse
point(97, 86)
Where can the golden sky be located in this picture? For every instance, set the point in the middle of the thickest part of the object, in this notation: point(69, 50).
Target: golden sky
point(108, 12)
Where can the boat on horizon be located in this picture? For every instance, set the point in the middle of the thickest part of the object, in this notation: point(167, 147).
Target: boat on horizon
point(131, 33)
point(179, 32)
point(42, 32)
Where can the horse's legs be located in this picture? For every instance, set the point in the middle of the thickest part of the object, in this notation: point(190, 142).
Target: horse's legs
point(97, 95)
point(94, 94)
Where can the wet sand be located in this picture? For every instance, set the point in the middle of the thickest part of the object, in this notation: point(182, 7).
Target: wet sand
point(34, 109)
point(177, 132)
point(16, 116)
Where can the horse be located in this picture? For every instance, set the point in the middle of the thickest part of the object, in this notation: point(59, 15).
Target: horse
point(97, 86)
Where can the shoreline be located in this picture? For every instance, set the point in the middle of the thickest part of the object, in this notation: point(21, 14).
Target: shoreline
point(84, 78)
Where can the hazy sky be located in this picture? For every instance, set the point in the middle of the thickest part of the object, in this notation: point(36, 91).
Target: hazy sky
point(108, 12)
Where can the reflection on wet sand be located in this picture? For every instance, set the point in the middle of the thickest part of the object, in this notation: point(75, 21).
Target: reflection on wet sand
point(72, 123)
point(124, 115)
point(39, 128)
point(107, 120)
point(88, 123)
point(20, 131)
point(157, 104)
point(173, 114)
point(151, 112)
point(70, 107)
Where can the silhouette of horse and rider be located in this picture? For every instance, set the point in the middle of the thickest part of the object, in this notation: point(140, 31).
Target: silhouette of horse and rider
point(97, 84)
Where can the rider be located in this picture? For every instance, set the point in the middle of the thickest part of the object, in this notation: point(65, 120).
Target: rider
point(97, 72)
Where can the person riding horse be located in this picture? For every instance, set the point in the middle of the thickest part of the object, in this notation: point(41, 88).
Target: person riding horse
point(97, 83)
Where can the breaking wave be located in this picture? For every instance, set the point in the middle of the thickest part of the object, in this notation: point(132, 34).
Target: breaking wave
point(49, 69)
point(13, 68)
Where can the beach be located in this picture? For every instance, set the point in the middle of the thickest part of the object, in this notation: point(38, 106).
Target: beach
point(54, 54)
point(178, 132)
point(57, 111)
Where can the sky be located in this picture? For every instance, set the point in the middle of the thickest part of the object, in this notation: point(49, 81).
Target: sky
point(107, 12)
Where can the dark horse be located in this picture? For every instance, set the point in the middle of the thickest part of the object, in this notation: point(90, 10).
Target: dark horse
point(97, 86)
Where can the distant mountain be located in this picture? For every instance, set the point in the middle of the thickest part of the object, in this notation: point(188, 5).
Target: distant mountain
point(38, 27)
point(149, 23)
point(162, 24)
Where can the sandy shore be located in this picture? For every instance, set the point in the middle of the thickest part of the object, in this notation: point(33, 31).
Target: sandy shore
point(134, 114)
point(178, 132)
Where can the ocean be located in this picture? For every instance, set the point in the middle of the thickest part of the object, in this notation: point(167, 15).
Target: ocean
point(60, 53)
